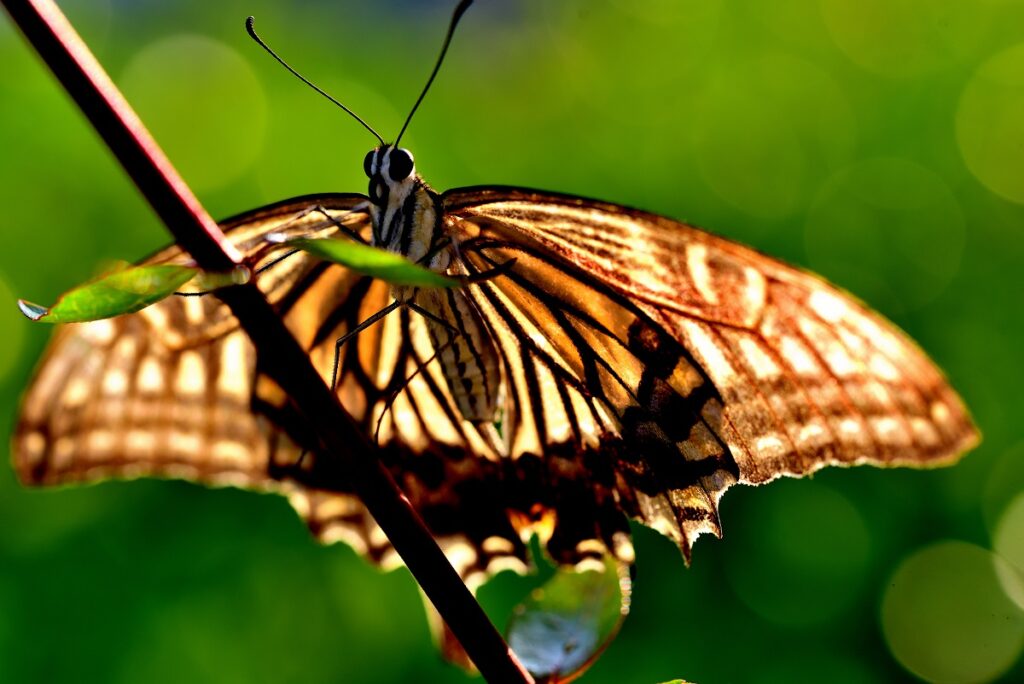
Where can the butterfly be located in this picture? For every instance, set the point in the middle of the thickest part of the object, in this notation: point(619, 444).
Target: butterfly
point(597, 364)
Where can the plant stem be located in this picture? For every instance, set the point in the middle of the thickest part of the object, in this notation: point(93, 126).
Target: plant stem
point(280, 355)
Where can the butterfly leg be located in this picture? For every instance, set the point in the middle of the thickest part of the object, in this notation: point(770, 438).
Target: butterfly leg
point(284, 232)
point(432, 316)
point(265, 267)
point(390, 308)
point(340, 342)
point(352, 333)
point(338, 224)
point(481, 276)
point(432, 252)
point(489, 274)
point(274, 243)
point(405, 383)
point(274, 240)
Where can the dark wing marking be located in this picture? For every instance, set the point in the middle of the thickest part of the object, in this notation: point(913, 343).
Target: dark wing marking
point(709, 362)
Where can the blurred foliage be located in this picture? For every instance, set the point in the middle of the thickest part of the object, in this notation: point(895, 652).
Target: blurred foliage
point(879, 142)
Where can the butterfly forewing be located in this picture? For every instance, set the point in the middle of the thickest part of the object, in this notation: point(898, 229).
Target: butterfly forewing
point(604, 400)
point(806, 376)
point(175, 391)
point(166, 391)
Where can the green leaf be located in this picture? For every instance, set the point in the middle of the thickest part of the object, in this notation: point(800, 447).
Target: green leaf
point(372, 261)
point(123, 291)
point(564, 625)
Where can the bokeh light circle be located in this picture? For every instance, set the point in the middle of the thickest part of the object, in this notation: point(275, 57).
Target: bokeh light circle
point(905, 38)
point(765, 127)
point(1008, 541)
point(597, 84)
point(801, 561)
point(990, 124)
point(1005, 479)
point(203, 104)
point(887, 229)
point(946, 617)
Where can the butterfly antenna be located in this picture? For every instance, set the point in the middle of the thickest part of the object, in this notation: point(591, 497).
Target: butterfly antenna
point(459, 11)
point(252, 33)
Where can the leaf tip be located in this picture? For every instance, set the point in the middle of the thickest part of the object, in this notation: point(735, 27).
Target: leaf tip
point(31, 311)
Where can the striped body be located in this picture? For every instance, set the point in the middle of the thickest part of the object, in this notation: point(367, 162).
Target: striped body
point(465, 351)
point(407, 220)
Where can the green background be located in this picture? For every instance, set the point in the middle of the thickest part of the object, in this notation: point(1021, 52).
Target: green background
point(878, 142)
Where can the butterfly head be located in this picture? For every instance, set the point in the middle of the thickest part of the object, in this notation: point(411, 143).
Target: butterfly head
point(404, 208)
point(391, 171)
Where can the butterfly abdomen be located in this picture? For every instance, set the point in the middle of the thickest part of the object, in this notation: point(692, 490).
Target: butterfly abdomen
point(465, 351)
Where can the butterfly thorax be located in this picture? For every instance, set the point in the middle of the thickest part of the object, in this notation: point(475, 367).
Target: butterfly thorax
point(408, 220)
point(405, 210)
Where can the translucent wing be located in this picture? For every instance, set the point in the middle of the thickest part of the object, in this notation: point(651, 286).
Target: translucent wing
point(174, 391)
point(165, 391)
point(679, 362)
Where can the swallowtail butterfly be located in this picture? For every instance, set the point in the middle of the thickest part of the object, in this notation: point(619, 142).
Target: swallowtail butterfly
point(601, 363)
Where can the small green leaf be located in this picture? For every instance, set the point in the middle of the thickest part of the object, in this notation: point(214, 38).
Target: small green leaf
point(372, 261)
point(123, 291)
point(564, 625)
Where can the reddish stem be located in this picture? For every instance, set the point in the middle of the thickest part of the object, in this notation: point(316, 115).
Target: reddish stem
point(280, 354)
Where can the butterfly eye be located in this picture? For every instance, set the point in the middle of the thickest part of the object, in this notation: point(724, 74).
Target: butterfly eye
point(368, 163)
point(400, 164)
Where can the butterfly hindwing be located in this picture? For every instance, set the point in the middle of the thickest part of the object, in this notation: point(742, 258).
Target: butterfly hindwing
point(592, 386)
point(390, 383)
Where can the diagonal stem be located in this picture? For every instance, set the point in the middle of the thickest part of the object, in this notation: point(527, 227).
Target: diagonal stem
point(351, 454)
